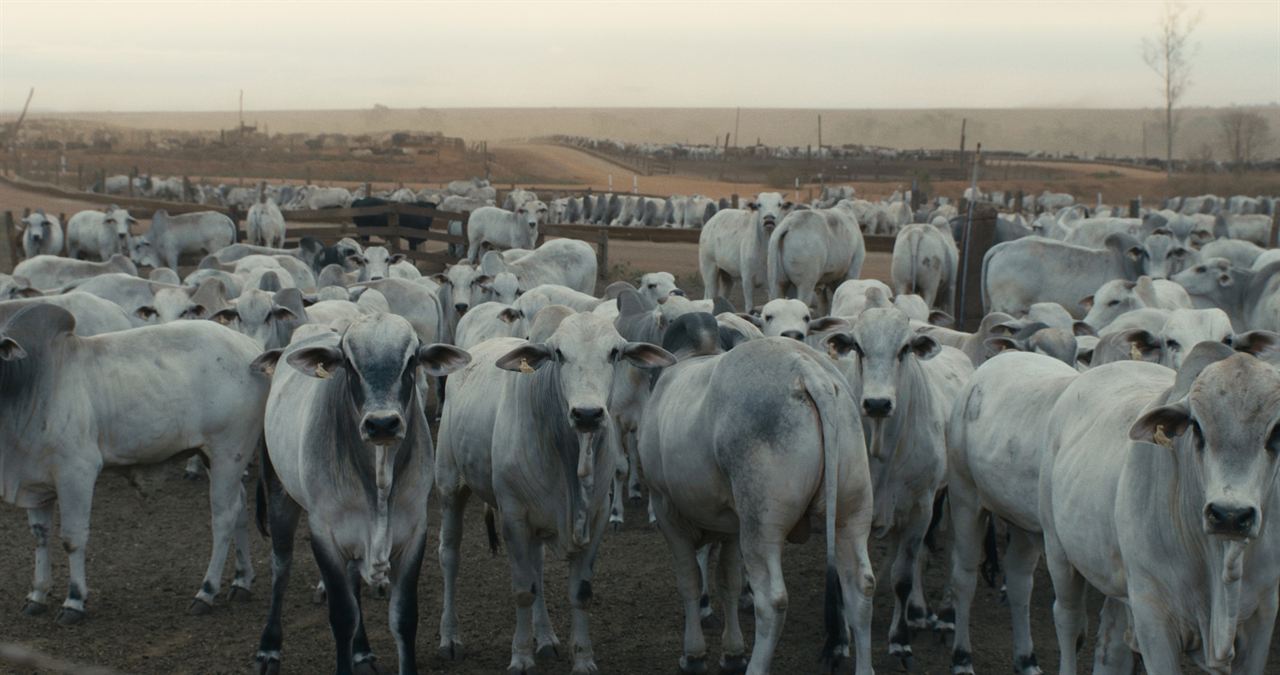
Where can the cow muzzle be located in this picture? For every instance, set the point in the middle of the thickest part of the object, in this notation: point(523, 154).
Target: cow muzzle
point(587, 419)
point(878, 408)
point(382, 428)
point(461, 308)
point(1232, 521)
point(793, 334)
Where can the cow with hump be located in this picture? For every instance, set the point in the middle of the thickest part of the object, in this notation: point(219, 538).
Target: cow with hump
point(1155, 488)
point(526, 427)
point(347, 442)
point(190, 386)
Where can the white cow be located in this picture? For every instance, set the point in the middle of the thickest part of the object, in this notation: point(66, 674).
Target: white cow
point(1119, 296)
point(265, 223)
point(567, 262)
point(97, 235)
point(811, 252)
point(492, 228)
point(41, 235)
point(925, 262)
point(734, 245)
point(1018, 273)
point(171, 237)
point(62, 426)
point(1196, 576)
point(50, 272)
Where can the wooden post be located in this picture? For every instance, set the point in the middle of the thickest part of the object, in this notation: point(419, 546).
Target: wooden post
point(80, 177)
point(393, 223)
point(11, 254)
point(1018, 202)
point(979, 235)
point(132, 174)
point(1135, 208)
point(368, 189)
point(187, 193)
point(1275, 227)
point(602, 258)
point(733, 201)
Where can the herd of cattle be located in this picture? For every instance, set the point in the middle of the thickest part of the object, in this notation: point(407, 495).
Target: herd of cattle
point(1117, 410)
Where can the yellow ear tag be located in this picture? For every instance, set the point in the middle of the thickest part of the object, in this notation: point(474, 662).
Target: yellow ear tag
point(1134, 352)
point(321, 372)
point(269, 371)
point(525, 367)
point(1161, 438)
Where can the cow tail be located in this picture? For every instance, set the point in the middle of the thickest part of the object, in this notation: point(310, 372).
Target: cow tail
point(823, 397)
point(491, 529)
point(266, 477)
point(986, 292)
point(773, 268)
point(915, 259)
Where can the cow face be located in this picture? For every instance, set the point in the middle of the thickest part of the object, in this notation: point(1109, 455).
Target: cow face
point(37, 228)
point(769, 208)
point(530, 214)
point(171, 304)
point(505, 288)
point(1166, 257)
point(118, 220)
point(143, 253)
point(1186, 328)
point(258, 315)
point(468, 286)
point(658, 286)
point(883, 347)
point(379, 355)
point(791, 318)
point(377, 263)
point(1112, 299)
point(1228, 426)
point(1207, 279)
point(584, 350)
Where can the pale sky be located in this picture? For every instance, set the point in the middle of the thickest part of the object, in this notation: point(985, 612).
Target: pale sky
point(192, 55)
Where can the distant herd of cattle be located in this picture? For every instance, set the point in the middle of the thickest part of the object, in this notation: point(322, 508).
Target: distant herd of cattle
point(1117, 410)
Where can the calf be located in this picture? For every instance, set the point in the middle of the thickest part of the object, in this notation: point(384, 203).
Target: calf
point(41, 235)
point(348, 443)
point(97, 235)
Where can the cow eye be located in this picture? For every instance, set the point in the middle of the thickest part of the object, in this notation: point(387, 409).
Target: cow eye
point(768, 317)
point(1197, 436)
point(902, 353)
point(1178, 253)
point(653, 285)
point(806, 318)
point(1172, 344)
point(1113, 303)
point(1273, 441)
point(559, 355)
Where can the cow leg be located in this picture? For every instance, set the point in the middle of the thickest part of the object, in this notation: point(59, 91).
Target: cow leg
point(690, 569)
point(1253, 637)
point(1069, 620)
point(1158, 641)
point(40, 520)
point(226, 501)
point(710, 279)
point(910, 542)
point(526, 587)
point(762, 556)
point(858, 584)
point(616, 509)
point(452, 506)
point(283, 514)
point(733, 649)
point(544, 635)
point(1020, 566)
point(966, 554)
point(362, 654)
point(705, 611)
point(581, 572)
point(344, 611)
point(75, 501)
point(403, 608)
point(1112, 653)
point(242, 583)
point(748, 288)
point(635, 488)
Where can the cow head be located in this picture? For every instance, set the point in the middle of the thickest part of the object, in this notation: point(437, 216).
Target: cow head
point(790, 318)
point(1186, 328)
point(379, 355)
point(1166, 256)
point(37, 227)
point(1111, 300)
point(1209, 279)
point(269, 319)
point(883, 347)
point(1226, 424)
point(658, 286)
point(467, 285)
point(530, 214)
point(769, 209)
point(118, 221)
point(377, 263)
point(143, 253)
point(170, 304)
point(505, 288)
point(13, 288)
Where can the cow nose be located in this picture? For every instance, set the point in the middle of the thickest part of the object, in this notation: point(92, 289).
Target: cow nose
point(382, 427)
point(587, 419)
point(793, 334)
point(877, 407)
point(461, 307)
point(1230, 520)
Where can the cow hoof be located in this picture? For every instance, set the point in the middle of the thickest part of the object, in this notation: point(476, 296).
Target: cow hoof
point(33, 608)
point(711, 622)
point(548, 651)
point(267, 665)
point(368, 667)
point(191, 476)
point(521, 668)
point(199, 608)
point(615, 525)
point(907, 662)
point(69, 617)
point(693, 665)
point(636, 500)
point(239, 594)
point(318, 596)
point(451, 651)
point(732, 665)
point(587, 667)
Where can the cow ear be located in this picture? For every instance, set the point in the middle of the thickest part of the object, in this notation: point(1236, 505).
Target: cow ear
point(1085, 355)
point(280, 313)
point(1141, 343)
point(440, 359)
point(10, 350)
point(226, 316)
point(266, 362)
point(510, 315)
point(645, 355)
point(483, 280)
point(395, 258)
point(1087, 302)
point(1254, 342)
point(357, 259)
point(146, 312)
point(925, 347)
point(720, 305)
point(197, 310)
point(319, 362)
point(840, 344)
point(1005, 328)
point(526, 358)
point(1002, 343)
point(940, 318)
point(827, 323)
point(28, 292)
point(1080, 328)
point(1161, 425)
point(439, 278)
point(753, 319)
point(493, 263)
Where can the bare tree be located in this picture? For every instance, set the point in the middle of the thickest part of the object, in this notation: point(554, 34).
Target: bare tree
point(1169, 53)
point(1244, 133)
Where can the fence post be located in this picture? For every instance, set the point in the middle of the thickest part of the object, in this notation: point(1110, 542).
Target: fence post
point(132, 175)
point(602, 243)
point(80, 177)
point(11, 259)
point(979, 235)
point(393, 223)
point(1135, 208)
point(1275, 227)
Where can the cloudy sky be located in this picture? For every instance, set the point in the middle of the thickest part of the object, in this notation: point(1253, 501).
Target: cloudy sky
point(192, 55)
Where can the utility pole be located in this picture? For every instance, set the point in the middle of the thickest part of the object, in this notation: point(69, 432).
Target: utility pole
point(737, 118)
point(963, 123)
point(819, 134)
